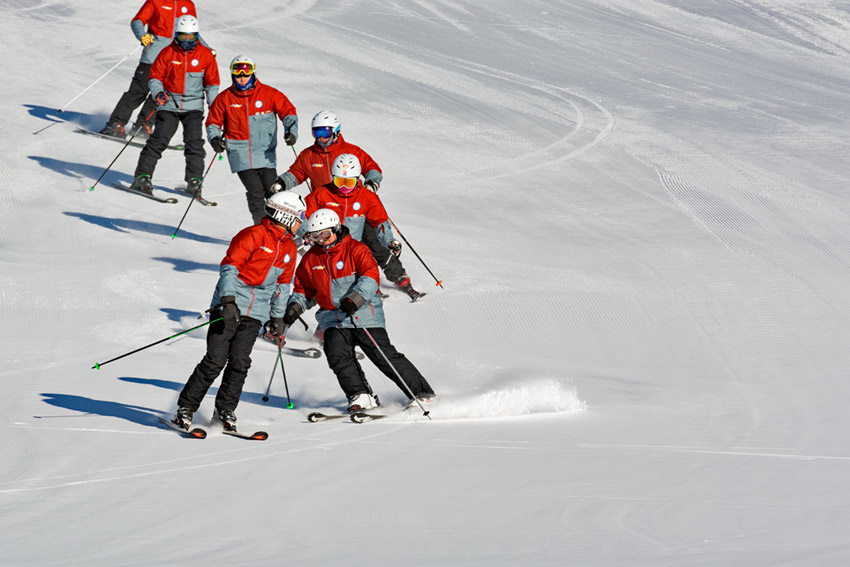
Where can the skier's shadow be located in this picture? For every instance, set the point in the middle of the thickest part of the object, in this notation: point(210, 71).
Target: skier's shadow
point(134, 414)
point(249, 397)
point(177, 315)
point(127, 226)
point(53, 115)
point(186, 266)
point(79, 170)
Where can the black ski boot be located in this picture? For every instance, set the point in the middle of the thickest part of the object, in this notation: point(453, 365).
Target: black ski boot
point(183, 418)
point(114, 129)
point(193, 186)
point(227, 418)
point(143, 184)
point(403, 283)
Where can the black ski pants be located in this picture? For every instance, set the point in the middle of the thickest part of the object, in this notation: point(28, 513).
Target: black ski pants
point(339, 349)
point(164, 129)
point(135, 95)
point(258, 183)
point(228, 349)
point(387, 261)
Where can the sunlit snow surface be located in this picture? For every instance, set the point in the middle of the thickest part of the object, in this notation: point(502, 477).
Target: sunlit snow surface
point(639, 213)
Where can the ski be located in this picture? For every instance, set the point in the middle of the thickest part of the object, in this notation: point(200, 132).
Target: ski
point(133, 142)
point(198, 198)
point(316, 417)
point(195, 432)
point(311, 352)
point(170, 200)
point(256, 436)
point(363, 417)
point(415, 295)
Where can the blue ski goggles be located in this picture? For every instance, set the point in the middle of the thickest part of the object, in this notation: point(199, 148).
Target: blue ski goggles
point(323, 132)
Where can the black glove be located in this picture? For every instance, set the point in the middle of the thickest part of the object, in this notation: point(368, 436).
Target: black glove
point(372, 186)
point(293, 312)
point(290, 138)
point(395, 248)
point(277, 327)
point(218, 144)
point(351, 303)
point(229, 311)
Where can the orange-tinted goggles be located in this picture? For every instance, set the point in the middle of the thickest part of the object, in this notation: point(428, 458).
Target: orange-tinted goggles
point(348, 182)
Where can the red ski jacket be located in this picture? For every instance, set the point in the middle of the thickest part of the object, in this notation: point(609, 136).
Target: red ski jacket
point(258, 270)
point(354, 210)
point(160, 15)
point(248, 120)
point(314, 163)
point(186, 76)
point(328, 275)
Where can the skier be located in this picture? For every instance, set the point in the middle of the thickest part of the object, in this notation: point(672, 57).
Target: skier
point(340, 274)
point(362, 211)
point(254, 286)
point(242, 121)
point(158, 18)
point(180, 77)
point(314, 165)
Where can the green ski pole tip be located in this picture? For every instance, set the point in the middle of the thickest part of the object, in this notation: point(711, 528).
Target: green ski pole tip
point(290, 405)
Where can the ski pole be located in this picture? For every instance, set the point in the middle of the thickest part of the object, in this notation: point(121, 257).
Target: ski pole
point(283, 370)
point(194, 195)
point(97, 365)
point(141, 125)
point(380, 350)
point(439, 282)
point(67, 104)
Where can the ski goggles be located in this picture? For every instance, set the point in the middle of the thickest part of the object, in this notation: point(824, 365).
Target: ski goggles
point(347, 182)
point(319, 236)
point(323, 132)
point(187, 36)
point(242, 68)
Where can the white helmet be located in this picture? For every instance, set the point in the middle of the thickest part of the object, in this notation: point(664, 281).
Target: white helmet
point(321, 220)
point(286, 207)
point(325, 125)
point(243, 59)
point(346, 166)
point(326, 118)
point(186, 24)
point(244, 66)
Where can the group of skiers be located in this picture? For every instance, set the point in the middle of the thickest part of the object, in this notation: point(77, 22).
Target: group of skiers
point(343, 222)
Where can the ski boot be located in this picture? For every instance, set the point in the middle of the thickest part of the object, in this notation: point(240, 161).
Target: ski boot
point(143, 184)
point(143, 131)
point(403, 283)
point(227, 418)
point(193, 186)
point(183, 418)
point(114, 129)
point(362, 402)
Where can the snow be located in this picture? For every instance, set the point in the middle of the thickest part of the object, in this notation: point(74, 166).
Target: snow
point(639, 213)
